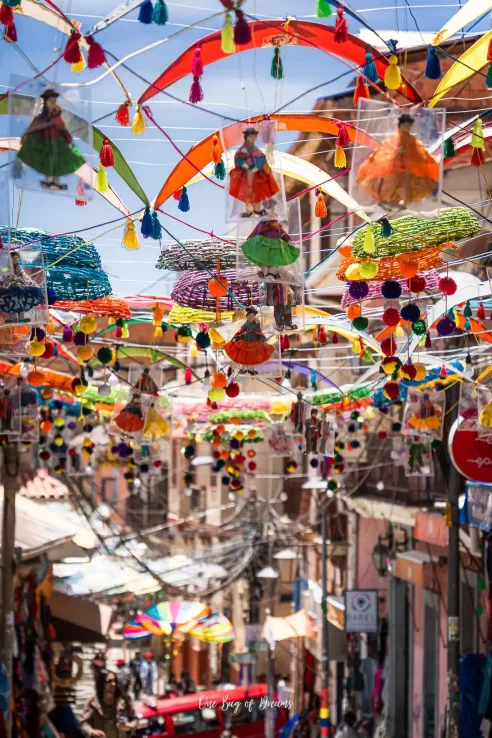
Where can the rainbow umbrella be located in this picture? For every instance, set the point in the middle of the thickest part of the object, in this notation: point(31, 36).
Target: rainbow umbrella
point(153, 625)
point(135, 632)
point(214, 628)
point(174, 614)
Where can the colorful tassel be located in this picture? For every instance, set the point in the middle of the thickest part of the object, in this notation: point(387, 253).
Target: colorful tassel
point(443, 373)
point(67, 334)
point(334, 338)
point(432, 64)
point(322, 337)
point(177, 194)
point(160, 16)
point(488, 78)
point(125, 333)
point(386, 229)
point(323, 9)
point(320, 210)
point(428, 342)
point(6, 15)
point(477, 139)
point(196, 92)
point(138, 124)
point(146, 225)
point(369, 244)
point(146, 12)
point(481, 311)
point(392, 75)
point(130, 237)
point(369, 69)
point(227, 37)
point(197, 64)
point(449, 149)
point(184, 203)
point(10, 33)
point(123, 114)
point(106, 156)
point(156, 226)
point(341, 27)
point(188, 376)
point(284, 342)
point(95, 55)
point(313, 380)
point(478, 158)
point(277, 68)
point(361, 91)
point(217, 149)
point(343, 138)
point(13, 3)
point(340, 158)
point(220, 170)
point(72, 53)
point(242, 31)
point(80, 66)
point(101, 179)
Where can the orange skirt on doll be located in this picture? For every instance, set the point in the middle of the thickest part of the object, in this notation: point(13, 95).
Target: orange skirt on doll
point(249, 353)
point(400, 169)
point(252, 187)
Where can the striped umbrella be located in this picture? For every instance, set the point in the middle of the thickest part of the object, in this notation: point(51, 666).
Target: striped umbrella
point(135, 632)
point(215, 628)
point(174, 614)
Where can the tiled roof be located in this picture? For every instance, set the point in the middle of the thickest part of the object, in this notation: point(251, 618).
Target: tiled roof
point(42, 486)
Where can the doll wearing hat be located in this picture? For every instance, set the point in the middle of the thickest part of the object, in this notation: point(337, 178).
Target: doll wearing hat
point(252, 181)
point(249, 346)
point(400, 170)
point(47, 146)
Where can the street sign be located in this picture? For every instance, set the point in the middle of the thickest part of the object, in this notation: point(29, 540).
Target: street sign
point(477, 510)
point(242, 658)
point(471, 454)
point(361, 611)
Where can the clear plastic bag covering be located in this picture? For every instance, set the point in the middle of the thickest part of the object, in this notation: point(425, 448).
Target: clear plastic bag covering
point(484, 411)
point(128, 418)
point(145, 379)
point(254, 191)
point(80, 464)
point(279, 441)
point(252, 350)
point(9, 399)
point(419, 462)
point(397, 159)
point(51, 139)
point(157, 418)
point(25, 420)
point(424, 413)
point(23, 298)
point(468, 409)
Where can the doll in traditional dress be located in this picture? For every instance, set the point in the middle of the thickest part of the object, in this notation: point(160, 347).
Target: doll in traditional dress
point(249, 346)
point(400, 170)
point(297, 413)
point(252, 181)
point(426, 417)
point(313, 432)
point(47, 146)
point(146, 384)
point(19, 293)
point(269, 245)
point(282, 297)
point(130, 419)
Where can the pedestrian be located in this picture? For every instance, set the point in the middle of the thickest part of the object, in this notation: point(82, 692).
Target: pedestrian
point(123, 675)
point(347, 728)
point(172, 687)
point(109, 713)
point(98, 664)
point(135, 665)
point(186, 684)
point(148, 673)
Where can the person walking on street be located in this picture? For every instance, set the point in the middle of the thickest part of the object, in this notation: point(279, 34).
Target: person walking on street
point(148, 673)
point(135, 665)
point(124, 676)
point(186, 684)
point(347, 728)
point(110, 712)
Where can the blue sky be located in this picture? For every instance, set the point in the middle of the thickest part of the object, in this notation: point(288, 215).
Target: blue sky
point(233, 87)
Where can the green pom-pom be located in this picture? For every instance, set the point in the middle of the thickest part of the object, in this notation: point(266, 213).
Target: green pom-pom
point(386, 229)
point(333, 485)
point(219, 170)
point(449, 150)
point(360, 323)
point(488, 78)
point(435, 444)
point(105, 355)
point(419, 328)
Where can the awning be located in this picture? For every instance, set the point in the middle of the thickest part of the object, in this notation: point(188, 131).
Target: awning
point(396, 514)
point(297, 625)
point(337, 642)
point(79, 620)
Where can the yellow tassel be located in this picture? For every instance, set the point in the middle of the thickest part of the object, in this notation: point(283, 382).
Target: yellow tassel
point(138, 124)
point(80, 65)
point(111, 320)
point(228, 45)
point(50, 328)
point(158, 332)
point(101, 180)
point(369, 245)
point(125, 333)
point(340, 158)
point(392, 75)
point(130, 238)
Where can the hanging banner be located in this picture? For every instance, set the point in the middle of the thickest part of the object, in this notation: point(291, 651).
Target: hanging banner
point(477, 510)
point(471, 454)
point(361, 611)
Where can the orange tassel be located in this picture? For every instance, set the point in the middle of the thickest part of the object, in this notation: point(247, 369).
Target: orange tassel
point(123, 114)
point(361, 91)
point(478, 158)
point(217, 150)
point(320, 210)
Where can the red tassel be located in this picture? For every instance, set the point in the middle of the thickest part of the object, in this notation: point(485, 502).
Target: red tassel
point(6, 15)
point(478, 158)
point(10, 33)
point(284, 343)
point(242, 31)
point(481, 311)
point(72, 53)
point(322, 337)
point(95, 56)
point(196, 92)
point(361, 90)
point(187, 376)
point(106, 155)
point(428, 343)
point(177, 194)
point(123, 114)
point(341, 27)
point(443, 373)
point(489, 52)
point(343, 137)
point(119, 331)
point(196, 64)
point(334, 337)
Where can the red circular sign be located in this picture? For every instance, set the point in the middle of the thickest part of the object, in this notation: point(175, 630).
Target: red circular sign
point(472, 455)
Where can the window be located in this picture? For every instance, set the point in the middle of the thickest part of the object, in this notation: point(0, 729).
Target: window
point(243, 715)
point(187, 722)
point(210, 721)
point(153, 727)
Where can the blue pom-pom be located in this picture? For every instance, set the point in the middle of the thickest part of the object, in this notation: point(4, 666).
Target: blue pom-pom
point(225, 480)
point(156, 227)
point(146, 227)
point(396, 427)
point(355, 444)
point(146, 12)
point(410, 312)
point(202, 340)
point(51, 296)
point(433, 64)
point(391, 289)
point(220, 463)
point(369, 70)
point(144, 468)
point(184, 203)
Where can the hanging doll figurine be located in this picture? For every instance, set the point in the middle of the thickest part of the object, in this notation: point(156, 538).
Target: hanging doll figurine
point(156, 427)
point(400, 170)
point(47, 146)
point(252, 181)
point(146, 384)
point(130, 419)
point(313, 432)
point(19, 293)
point(283, 297)
point(297, 414)
point(249, 346)
point(269, 245)
point(427, 417)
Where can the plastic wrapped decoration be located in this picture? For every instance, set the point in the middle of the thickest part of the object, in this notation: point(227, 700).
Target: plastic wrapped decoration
point(128, 416)
point(157, 425)
point(145, 379)
point(419, 462)
point(484, 411)
point(280, 442)
point(253, 190)
point(23, 297)
point(282, 306)
point(79, 462)
point(25, 421)
point(468, 408)
point(249, 348)
point(53, 134)
point(424, 413)
point(403, 172)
